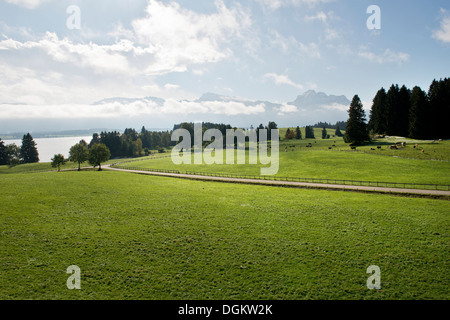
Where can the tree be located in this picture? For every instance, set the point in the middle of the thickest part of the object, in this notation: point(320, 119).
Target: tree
point(13, 153)
point(418, 114)
point(79, 153)
point(98, 153)
point(57, 161)
point(298, 133)
point(309, 132)
point(290, 134)
point(28, 151)
point(338, 132)
point(439, 109)
point(356, 131)
point(3, 154)
point(324, 133)
point(378, 113)
point(271, 126)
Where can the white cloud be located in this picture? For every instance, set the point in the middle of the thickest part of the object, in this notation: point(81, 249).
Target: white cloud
point(181, 38)
point(290, 44)
point(281, 79)
point(286, 108)
point(335, 106)
point(29, 4)
point(131, 109)
point(443, 34)
point(275, 4)
point(320, 16)
point(388, 56)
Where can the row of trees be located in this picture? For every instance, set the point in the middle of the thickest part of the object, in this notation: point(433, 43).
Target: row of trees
point(412, 113)
point(95, 154)
point(402, 112)
point(12, 154)
point(132, 143)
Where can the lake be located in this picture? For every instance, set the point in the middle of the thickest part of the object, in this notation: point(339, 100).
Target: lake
point(48, 147)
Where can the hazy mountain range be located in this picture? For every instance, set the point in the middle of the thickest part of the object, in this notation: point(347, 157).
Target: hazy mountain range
point(157, 113)
point(307, 109)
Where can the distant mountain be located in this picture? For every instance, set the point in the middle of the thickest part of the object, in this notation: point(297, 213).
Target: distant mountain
point(121, 100)
point(313, 99)
point(307, 109)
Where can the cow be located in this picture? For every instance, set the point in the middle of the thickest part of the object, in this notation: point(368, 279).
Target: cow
point(353, 148)
point(379, 147)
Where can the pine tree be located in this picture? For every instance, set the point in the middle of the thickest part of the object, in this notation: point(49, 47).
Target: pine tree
point(28, 151)
point(439, 110)
point(356, 131)
point(287, 134)
point(324, 133)
point(392, 102)
point(378, 113)
point(338, 132)
point(309, 132)
point(298, 133)
point(418, 114)
point(3, 154)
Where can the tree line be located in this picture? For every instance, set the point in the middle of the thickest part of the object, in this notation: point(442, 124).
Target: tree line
point(412, 113)
point(13, 155)
point(402, 112)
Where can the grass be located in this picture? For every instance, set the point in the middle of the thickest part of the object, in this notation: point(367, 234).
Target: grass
point(144, 237)
point(321, 163)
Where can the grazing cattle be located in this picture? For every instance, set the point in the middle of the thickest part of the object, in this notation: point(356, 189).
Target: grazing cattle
point(423, 151)
point(393, 147)
point(372, 149)
point(353, 148)
point(333, 145)
point(440, 140)
point(379, 147)
point(329, 148)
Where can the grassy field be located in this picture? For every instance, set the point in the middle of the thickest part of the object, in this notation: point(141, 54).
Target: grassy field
point(338, 163)
point(144, 237)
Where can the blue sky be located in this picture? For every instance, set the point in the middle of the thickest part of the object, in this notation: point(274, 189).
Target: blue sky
point(270, 50)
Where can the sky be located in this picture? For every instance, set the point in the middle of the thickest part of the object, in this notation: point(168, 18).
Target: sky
point(57, 58)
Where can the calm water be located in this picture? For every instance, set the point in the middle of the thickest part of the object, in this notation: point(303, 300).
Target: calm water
point(48, 147)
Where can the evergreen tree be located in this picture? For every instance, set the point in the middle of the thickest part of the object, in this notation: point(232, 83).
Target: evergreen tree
point(392, 102)
point(28, 151)
point(298, 133)
point(404, 105)
point(287, 134)
point(356, 130)
point(324, 133)
point(338, 132)
point(378, 113)
point(3, 154)
point(418, 114)
point(309, 132)
point(439, 109)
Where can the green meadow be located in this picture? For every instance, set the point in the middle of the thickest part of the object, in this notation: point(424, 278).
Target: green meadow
point(147, 237)
point(405, 165)
point(158, 238)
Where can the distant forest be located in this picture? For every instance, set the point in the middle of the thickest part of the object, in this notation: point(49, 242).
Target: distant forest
point(412, 113)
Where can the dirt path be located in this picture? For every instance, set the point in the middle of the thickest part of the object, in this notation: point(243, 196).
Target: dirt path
point(291, 183)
